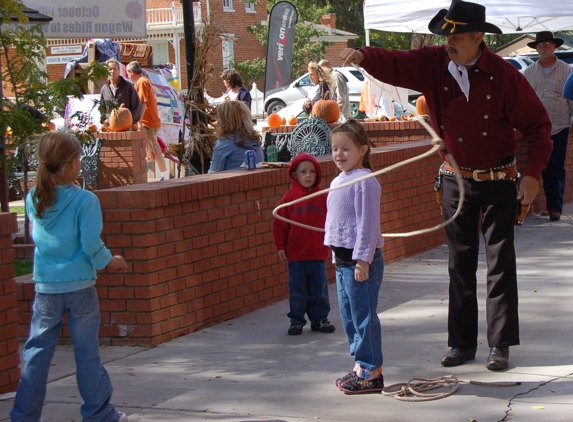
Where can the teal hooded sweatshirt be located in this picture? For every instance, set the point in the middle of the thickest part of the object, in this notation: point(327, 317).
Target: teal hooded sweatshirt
point(68, 241)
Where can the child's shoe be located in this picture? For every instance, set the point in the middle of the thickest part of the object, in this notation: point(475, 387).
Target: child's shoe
point(324, 327)
point(345, 378)
point(295, 329)
point(357, 385)
point(122, 417)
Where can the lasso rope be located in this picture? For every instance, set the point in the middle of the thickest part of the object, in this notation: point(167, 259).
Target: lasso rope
point(437, 144)
point(405, 390)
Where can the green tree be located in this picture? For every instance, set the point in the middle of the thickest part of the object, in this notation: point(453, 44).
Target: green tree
point(304, 50)
point(23, 51)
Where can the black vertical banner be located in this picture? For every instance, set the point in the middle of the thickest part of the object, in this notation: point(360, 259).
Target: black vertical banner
point(282, 20)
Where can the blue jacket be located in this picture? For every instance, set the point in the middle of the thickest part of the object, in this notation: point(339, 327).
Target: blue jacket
point(68, 244)
point(229, 156)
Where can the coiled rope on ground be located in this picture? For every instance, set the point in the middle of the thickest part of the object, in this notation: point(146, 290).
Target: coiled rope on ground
point(415, 389)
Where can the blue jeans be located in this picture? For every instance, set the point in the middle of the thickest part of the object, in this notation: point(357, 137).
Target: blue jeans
point(554, 173)
point(92, 378)
point(308, 288)
point(358, 303)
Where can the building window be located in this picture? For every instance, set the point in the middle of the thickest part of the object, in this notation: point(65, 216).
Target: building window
point(228, 51)
point(228, 6)
point(160, 51)
point(249, 7)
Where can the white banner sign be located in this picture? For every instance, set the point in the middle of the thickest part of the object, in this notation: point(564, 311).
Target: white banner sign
point(66, 49)
point(92, 18)
point(61, 59)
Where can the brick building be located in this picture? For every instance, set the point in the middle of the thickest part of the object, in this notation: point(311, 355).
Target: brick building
point(165, 34)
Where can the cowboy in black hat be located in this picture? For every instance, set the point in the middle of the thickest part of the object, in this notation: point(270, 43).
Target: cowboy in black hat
point(547, 38)
point(547, 77)
point(475, 101)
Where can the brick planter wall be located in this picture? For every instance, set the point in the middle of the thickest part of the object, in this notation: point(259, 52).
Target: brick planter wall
point(200, 249)
point(122, 159)
point(9, 357)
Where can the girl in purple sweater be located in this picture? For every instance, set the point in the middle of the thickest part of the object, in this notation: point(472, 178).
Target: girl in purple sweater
point(353, 232)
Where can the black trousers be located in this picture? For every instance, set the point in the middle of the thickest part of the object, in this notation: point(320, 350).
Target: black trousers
point(493, 204)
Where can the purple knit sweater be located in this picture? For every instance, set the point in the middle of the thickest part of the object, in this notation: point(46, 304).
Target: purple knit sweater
point(353, 215)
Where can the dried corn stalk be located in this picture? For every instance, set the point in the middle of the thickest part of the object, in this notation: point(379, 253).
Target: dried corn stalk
point(201, 133)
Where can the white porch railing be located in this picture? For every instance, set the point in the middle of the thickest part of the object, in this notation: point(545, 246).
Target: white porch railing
point(171, 16)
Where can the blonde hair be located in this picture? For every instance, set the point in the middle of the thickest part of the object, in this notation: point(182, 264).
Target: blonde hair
point(235, 119)
point(356, 132)
point(54, 151)
point(323, 75)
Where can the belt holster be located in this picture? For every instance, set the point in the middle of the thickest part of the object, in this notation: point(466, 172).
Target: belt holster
point(438, 190)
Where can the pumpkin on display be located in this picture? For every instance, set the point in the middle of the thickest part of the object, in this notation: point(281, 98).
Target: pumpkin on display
point(292, 120)
point(51, 126)
point(120, 120)
point(326, 109)
point(274, 120)
point(421, 107)
point(134, 10)
point(283, 121)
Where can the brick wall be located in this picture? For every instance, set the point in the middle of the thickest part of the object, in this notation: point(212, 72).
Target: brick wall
point(200, 249)
point(9, 357)
point(122, 159)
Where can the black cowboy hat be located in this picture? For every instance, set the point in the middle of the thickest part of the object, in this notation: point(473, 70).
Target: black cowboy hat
point(545, 36)
point(461, 17)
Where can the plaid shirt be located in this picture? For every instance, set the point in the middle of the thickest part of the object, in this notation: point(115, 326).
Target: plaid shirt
point(549, 89)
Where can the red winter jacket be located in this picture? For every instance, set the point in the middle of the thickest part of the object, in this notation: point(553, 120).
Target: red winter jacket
point(302, 244)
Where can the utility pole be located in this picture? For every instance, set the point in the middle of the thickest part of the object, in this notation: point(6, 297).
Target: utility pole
point(189, 36)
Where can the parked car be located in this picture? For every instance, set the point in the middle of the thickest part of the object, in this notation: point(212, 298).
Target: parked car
point(565, 55)
point(519, 62)
point(300, 87)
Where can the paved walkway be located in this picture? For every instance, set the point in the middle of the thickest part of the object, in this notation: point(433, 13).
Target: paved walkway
point(248, 369)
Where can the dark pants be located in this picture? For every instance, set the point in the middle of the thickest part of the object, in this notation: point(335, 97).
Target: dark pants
point(554, 174)
point(496, 201)
point(308, 288)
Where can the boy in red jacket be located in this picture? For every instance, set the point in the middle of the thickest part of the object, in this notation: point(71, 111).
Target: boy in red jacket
point(304, 249)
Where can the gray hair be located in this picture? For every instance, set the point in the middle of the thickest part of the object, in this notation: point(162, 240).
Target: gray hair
point(134, 67)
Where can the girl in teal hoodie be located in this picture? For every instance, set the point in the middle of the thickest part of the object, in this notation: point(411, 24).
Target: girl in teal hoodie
point(67, 228)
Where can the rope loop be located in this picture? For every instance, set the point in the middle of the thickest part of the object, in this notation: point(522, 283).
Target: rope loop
point(437, 144)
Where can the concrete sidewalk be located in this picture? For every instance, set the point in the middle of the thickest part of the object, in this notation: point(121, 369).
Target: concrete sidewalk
point(248, 369)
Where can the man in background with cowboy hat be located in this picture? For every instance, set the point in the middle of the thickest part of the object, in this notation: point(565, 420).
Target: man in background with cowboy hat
point(475, 100)
point(547, 77)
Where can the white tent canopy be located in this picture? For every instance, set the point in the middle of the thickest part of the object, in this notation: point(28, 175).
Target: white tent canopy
point(511, 16)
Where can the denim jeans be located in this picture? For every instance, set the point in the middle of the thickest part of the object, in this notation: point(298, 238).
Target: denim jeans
point(308, 288)
point(554, 174)
point(358, 303)
point(92, 378)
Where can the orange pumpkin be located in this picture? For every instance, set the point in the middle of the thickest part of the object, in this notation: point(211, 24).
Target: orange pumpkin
point(292, 120)
point(326, 109)
point(120, 120)
point(274, 120)
point(283, 121)
point(421, 107)
point(51, 126)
